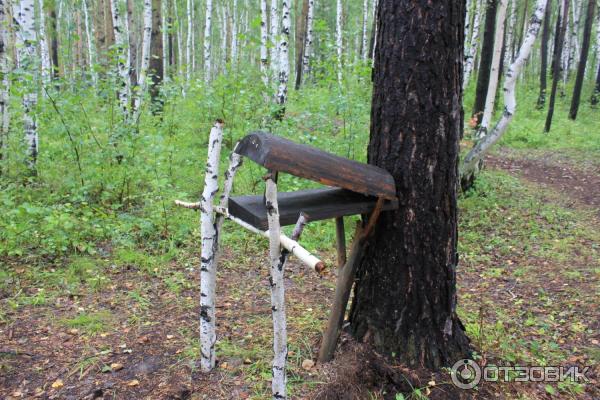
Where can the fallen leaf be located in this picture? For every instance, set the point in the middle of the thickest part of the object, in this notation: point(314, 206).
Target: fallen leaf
point(133, 382)
point(116, 366)
point(58, 384)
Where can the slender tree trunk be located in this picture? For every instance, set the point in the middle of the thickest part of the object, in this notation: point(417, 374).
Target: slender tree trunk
point(575, 50)
point(596, 93)
point(234, 34)
point(89, 35)
point(5, 82)
point(585, 49)
point(44, 52)
point(157, 58)
point(561, 30)
point(188, 46)
point(25, 40)
point(207, 44)
point(363, 44)
point(264, 37)
point(308, 43)
point(405, 295)
point(485, 64)
point(301, 27)
point(509, 47)
point(284, 60)
point(145, 64)
point(490, 100)
point(338, 40)
point(123, 54)
point(165, 42)
point(541, 103)
point(566, 50)
point(474, 44)
point(53, 41)
point(275, 31)
point(179, 38)
point(133, 43)
point(470, 164)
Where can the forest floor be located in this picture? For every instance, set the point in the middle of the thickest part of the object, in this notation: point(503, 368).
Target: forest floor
point(125, 325)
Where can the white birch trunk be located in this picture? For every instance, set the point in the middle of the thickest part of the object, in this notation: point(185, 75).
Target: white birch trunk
point(597, 37)
point(508, 57)
point(474, 44)
point(376, 24)
point(264, 36)
point(338, 40)
point(123, 54)
point(471, 161)
point(145, 64)
point(89, 33)
point(283, 51)
point(490, 100)
point(179, 39)
point(275, 36)
point(25, 39)
point(566, 47)
point(207, 44)
point(193, 37)
point(44, 52)
point(208, 273)
point(309, 39)
point(365, 21)
point(575, 50)
point(4, 90)
point(188, 46)
point(223, 21)
point(276, 281)
point(234, 33)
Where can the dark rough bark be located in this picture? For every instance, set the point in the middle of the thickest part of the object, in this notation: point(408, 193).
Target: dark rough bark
point(544, 56)
point(156, 52)
point(405, 296)
point(53, 41)
point(585, 48)
point(561, 30)
point(485, 63)
point(301, 22)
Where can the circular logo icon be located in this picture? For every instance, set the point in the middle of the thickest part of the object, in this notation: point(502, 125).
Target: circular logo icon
point(466, 374)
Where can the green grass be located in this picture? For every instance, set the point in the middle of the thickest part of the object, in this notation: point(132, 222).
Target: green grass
point(91, 323)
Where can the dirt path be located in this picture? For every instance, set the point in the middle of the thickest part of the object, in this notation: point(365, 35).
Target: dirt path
point(578, 183)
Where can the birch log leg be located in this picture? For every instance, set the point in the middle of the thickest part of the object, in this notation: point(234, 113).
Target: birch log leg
point(208, 273)
point(276, 282)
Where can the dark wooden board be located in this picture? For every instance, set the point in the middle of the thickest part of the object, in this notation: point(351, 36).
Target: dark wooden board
point(317, 204)
point(279, 154)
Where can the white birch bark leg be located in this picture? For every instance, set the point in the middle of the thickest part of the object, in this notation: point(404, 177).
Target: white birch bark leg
point(89, 33)
point(208, 273)
point(207, 44)
point(284, 60)
point(25, 39)
point(5, 89)
point(490, 100)
point(188, 46)
point(264, 35)
point(469, 164)
point(146, 45)
point(274, 28)
point(278, 384)
point(474, 45)
point(123, 54)
point(44, 52)
point(338, 40)
point(364, 49)
point(309, 40)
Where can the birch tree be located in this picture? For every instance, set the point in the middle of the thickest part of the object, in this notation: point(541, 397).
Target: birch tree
point(264, 36)
point(89, 36)
point(471, 162)
point(123, 54)
point(338, 40)
point(44, 51)
point(166, 27)
point(234, 35)
point(474, 44)
point(544, 56)
point(365, 20)
point(274, 29)
point(145, 64)
point(188, 46)
point(490, 100)
point(207, 43)
point(509, 41)
point(5, 82)
point(485, 59)
point(308, 43)
point(283, 52)
point(25, 41)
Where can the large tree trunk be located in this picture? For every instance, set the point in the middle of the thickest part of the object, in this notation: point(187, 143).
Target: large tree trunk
point(485, 64)
point(25, 40)
point(405, 297)
point(561, 30)
point(544, 55)
point(585, 49)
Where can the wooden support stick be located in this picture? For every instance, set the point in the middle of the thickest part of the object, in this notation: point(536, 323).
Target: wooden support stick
point(279, 381)
point(340, 236)
point(343, 287)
